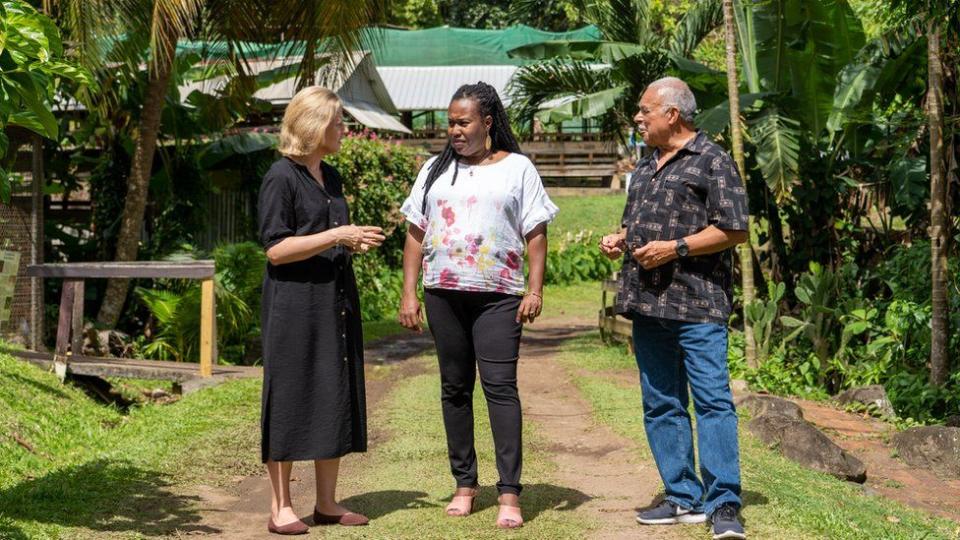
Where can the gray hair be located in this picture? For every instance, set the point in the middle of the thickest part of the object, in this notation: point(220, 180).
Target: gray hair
point(673, 92)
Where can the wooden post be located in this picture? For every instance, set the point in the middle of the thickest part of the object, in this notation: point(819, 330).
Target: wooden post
point(76, 339)
point(36, 245)
point(208, 328)
point(63, 328)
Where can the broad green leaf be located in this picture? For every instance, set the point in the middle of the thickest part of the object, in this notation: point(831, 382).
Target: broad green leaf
point(717, 119)
point(778, 146)
point(4, 142)
point(697, 23)
point(856, 80)
point(24, 86)
point(27, 119)
point(69, 71)
point(801, 47)
point(857, 328)
point(588, 106)
point(791, 322)
point(233, 145)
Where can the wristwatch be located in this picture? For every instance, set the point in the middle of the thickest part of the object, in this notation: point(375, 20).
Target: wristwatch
point(682, 248)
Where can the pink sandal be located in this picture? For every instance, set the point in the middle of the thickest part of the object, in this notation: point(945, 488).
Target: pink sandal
point(508, 517)
point(462, 502)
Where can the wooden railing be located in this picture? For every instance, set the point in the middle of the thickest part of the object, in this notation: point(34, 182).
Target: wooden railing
point(70, 324)
point(563, 161)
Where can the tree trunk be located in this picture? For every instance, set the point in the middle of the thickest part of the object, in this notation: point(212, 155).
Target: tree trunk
point(745, 251)
point(135, 202)
point(939, 360)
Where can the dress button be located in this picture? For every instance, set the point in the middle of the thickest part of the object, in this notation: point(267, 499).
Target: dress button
point(343, 313)
point(344, 336)
point(329, 201)
point(335, 223)
point(344, 359)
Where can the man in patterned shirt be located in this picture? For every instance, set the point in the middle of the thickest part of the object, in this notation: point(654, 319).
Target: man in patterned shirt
point(686, 208)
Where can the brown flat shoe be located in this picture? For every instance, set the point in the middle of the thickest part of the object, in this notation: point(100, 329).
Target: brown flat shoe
point(297, 527)
point(350, 519)
point(508, 516)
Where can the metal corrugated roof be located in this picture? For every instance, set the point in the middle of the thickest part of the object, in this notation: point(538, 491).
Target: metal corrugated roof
point(356, 82)
point(370, 115)
point(426, 88)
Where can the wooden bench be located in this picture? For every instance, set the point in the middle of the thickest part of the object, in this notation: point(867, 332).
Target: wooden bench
point(70, 323)
point(612, 326)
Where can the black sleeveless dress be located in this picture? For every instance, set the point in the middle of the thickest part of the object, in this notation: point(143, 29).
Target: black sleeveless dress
point(313, 404)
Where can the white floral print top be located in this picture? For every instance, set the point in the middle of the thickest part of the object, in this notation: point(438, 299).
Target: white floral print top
point(475, 229)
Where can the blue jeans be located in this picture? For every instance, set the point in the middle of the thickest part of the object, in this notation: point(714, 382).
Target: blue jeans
point(672, 354)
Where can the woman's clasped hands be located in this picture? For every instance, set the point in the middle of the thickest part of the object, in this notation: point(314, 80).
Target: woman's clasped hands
point(360, 238)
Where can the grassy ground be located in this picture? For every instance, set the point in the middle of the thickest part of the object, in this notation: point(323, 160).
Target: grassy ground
point(375, 330)
point(405, 483)
point(72, 468)
point(596, 213)
point(783, 500)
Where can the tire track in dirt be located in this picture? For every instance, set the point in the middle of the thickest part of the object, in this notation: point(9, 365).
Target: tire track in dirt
point(590, 457)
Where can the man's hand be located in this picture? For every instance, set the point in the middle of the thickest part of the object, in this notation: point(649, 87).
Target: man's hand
point(613, 245)
point(655, 253)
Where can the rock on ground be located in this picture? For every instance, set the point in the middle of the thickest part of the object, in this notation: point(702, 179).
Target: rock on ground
point(759, 405)
point(799, 441)
point(874, 397)
point(931, 447)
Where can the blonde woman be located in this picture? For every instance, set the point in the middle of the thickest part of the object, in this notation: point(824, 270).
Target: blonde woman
point(313, 390)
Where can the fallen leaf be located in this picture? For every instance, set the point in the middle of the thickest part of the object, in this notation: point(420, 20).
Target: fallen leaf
point(893, 519)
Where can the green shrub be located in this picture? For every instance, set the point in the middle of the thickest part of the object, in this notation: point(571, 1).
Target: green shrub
point(174, 306)
point(380, 287)
point(377, 176)
point(577, 258)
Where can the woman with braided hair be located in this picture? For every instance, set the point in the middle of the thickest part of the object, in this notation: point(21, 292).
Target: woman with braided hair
point(472, 211)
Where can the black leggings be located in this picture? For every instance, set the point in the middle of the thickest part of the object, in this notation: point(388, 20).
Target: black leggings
point(478, 329)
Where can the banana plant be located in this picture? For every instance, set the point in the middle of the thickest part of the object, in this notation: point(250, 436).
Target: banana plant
point(791, 54)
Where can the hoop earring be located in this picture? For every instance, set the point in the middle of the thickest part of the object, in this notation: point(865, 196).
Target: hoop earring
point(488, 143)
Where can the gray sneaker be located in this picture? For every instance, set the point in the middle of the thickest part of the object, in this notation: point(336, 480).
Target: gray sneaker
point(725, 523)
point(667, 513)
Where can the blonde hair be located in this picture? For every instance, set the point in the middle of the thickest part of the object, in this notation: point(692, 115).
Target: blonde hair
point(306, 120)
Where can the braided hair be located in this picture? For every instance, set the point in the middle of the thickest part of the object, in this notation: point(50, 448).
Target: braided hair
point(501, 136)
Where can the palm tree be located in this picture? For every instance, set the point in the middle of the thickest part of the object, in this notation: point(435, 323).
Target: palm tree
point(937, 14)
point(126, 33)
point(602, 79)
point(939, 322)
point(736, 142)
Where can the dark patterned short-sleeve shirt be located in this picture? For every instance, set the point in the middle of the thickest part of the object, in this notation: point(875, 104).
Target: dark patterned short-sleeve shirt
point(699, 186)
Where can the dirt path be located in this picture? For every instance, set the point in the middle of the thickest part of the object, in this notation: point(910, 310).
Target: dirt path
point(591, 458)
point(239, 511)
point(865, 438)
